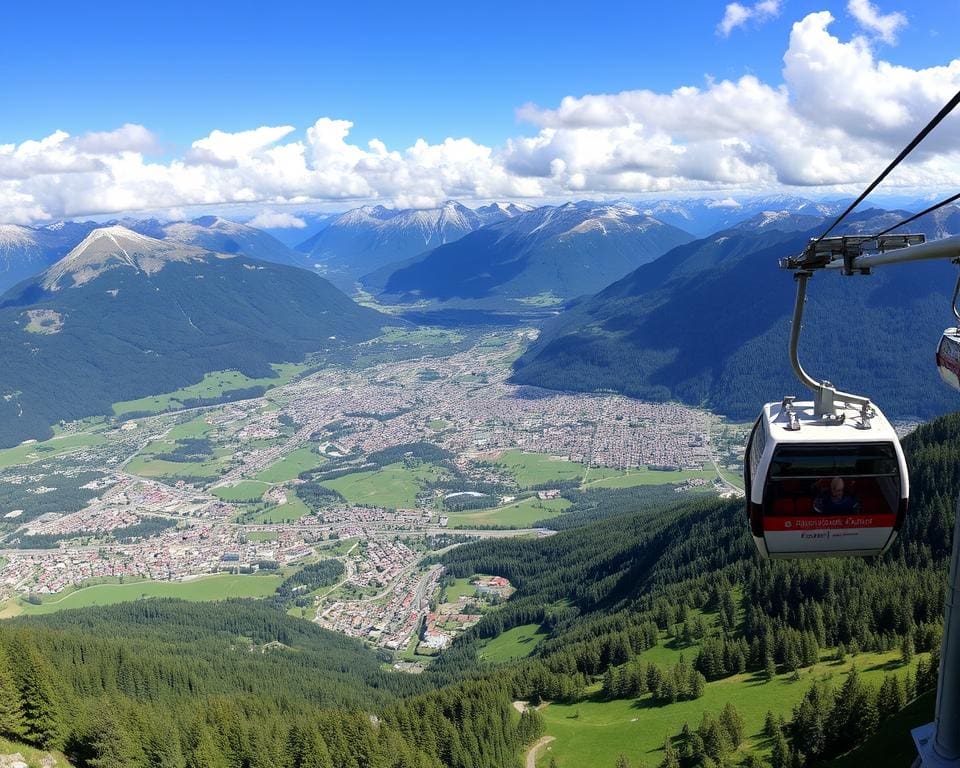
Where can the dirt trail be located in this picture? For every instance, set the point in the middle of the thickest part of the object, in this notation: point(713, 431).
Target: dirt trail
point(535, 750)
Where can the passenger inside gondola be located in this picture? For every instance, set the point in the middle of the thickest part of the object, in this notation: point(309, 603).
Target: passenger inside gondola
point(803, 481)
point(836, 500)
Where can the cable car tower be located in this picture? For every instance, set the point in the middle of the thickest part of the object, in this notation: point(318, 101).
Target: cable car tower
point(827, 477)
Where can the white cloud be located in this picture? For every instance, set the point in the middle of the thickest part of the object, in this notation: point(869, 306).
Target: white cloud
point(884, 26)
point(276, 220)
point(720, 136)
point(736, 15)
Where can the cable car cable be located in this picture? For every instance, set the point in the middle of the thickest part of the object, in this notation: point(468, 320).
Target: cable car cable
point(916, 216)
point(937, 119)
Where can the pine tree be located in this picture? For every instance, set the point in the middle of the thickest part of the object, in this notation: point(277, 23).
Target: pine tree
point(769, 668)
point(670, 758)
point(780, 756)
point(732, 723)
point(907, 648)
point(12, 724)
point(34, 680)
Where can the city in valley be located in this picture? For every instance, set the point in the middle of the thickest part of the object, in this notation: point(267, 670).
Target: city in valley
point(416, 444)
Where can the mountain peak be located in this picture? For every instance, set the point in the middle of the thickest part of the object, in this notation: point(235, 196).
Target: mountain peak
point(14, 235)
point(111, 247)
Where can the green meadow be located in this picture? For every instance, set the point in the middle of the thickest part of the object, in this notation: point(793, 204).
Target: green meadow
point(56, 446)
point(205, 588)
point(630, 478)
point(245, 490)
point(394, 486)
point(519, 514)
point(595, 732)
point(292, 510)
point(290, 466)
point(212, 385)
point(516, 643)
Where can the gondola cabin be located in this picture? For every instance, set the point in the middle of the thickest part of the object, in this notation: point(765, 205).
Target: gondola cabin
point(948, 357)
point(823, 488)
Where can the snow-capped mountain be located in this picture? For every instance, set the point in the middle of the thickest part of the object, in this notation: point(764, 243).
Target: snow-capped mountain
point(541, 256)
point(704, 216)
point(365, 239)
point(25, 251)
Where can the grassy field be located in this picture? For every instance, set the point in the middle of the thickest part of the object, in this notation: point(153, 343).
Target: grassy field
point(519, 514)
point(430, 337)
point(146, 466)
point(56, 446)
point(633, 477)
point(210, 386)
point(205, 588)
point(596, 732)
point(261, 536)
point(196, 427)
point(459, 588)
point(291, 465)
point(294, 509)
point(245, 490)
point(538, 468)
point(516, 643)
point(394, 486)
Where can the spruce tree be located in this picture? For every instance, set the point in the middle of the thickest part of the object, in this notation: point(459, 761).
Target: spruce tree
point(12, 724)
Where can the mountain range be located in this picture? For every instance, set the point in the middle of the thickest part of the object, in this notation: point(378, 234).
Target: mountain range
point(124, 315)
point(708, 324)
point(543, 256)
point(364, 239)
point(704, 216)
point(27, 251)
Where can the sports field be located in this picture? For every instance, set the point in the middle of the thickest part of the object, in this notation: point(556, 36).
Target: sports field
point(205, 588)
point(394, 486)
point(519, 514)
point(291, 465)
point(212, 385)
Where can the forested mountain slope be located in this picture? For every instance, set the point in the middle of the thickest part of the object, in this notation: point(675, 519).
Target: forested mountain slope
point(169, 683)
point(125, 315)
point(556, 252)
point(609, 592)
point(708, 323)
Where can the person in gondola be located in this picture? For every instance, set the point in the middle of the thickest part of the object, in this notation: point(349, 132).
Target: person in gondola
point(835, 500)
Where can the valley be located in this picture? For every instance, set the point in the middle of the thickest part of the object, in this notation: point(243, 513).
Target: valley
point(418, 444)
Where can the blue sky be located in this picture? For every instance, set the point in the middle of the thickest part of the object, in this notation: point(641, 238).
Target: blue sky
point(401, 72)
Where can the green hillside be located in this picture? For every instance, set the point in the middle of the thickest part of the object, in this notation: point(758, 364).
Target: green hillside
point(708, 324)
point(127, 334)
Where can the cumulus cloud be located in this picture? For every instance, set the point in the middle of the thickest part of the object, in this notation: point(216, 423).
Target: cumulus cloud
point(736, 15)
point(276, 220)
point(717, 137)
point(868, 16)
